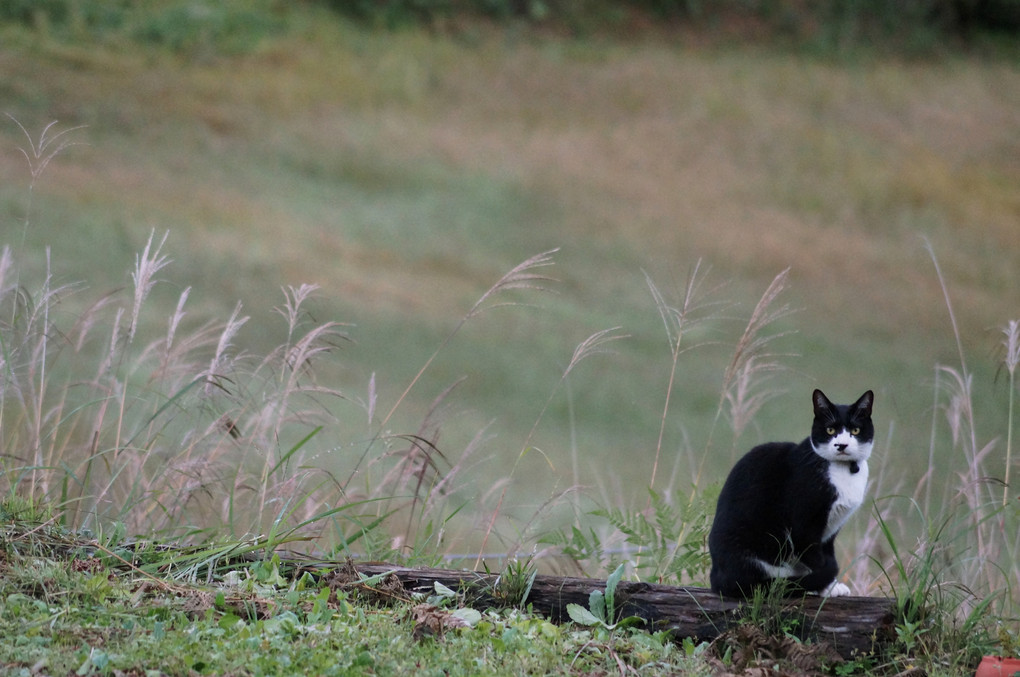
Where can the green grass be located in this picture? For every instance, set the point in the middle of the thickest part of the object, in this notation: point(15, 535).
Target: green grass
point(88, 614)
point(405, 173)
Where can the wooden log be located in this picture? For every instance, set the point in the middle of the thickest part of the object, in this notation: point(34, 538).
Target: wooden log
point(851, 625)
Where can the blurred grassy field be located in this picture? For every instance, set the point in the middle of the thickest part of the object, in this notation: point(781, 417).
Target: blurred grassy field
point(406, 172)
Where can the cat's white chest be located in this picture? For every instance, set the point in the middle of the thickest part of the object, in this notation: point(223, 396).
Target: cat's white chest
point(850, 488)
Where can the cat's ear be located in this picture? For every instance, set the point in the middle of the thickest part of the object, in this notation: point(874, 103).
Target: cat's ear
point(863, 405)
point(821, 402)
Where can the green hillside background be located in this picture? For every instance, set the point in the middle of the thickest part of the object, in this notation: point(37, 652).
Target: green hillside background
point(405, 171)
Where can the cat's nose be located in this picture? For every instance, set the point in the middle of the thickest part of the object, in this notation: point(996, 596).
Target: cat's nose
point(841, 447)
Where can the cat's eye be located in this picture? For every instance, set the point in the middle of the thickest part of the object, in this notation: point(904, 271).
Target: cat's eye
point(855, 432)
point(830, 431)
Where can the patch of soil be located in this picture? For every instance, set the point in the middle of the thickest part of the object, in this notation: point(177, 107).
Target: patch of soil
point(346, 577)
point(432, 621)
point(754, 653)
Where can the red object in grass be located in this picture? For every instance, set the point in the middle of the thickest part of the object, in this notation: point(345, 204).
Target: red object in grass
point(997, 666)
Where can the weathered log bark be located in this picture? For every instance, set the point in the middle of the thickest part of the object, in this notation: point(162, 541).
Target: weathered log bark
point(850, 624)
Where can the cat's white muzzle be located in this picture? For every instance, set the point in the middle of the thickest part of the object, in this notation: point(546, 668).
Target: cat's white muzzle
point(844, 447)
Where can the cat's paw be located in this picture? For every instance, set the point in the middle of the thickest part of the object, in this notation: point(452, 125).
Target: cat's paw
point(835, 589)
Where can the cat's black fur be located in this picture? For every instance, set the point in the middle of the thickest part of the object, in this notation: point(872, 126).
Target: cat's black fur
point(783, 504)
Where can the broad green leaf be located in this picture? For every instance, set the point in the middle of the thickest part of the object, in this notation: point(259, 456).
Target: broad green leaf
point(469, 616)
point(444, 591)
point(580, 615)
point(597, 604)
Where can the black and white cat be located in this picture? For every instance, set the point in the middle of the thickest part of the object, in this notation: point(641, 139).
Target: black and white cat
point(783, 504)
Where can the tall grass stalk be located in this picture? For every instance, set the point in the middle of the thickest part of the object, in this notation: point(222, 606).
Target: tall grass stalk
point(593, 345)
point(183, 435)
point(1011, 343)
point(521, 276)
point(676, 320)
point(750, 359)
point(949, 560)
point(975, 488)
point(39, 154)
point(930, 473)
point(418, 473)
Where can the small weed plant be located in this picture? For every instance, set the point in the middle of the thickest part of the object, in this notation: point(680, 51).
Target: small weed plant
point(603, 609)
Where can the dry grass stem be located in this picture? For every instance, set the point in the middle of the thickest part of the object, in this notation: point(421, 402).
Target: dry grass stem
point(593, 345)
point(747, 393)
point(164, 435)
point(949, 305)
point(1011, 343)
point(41, 152)
point(750, 359)
point(673, 319)
point(753, 341)
point(676, 320)
point(521, 276)
point(147, 264)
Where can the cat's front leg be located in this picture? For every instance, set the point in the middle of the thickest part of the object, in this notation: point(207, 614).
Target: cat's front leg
point(824, 576)
point(835, 589)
